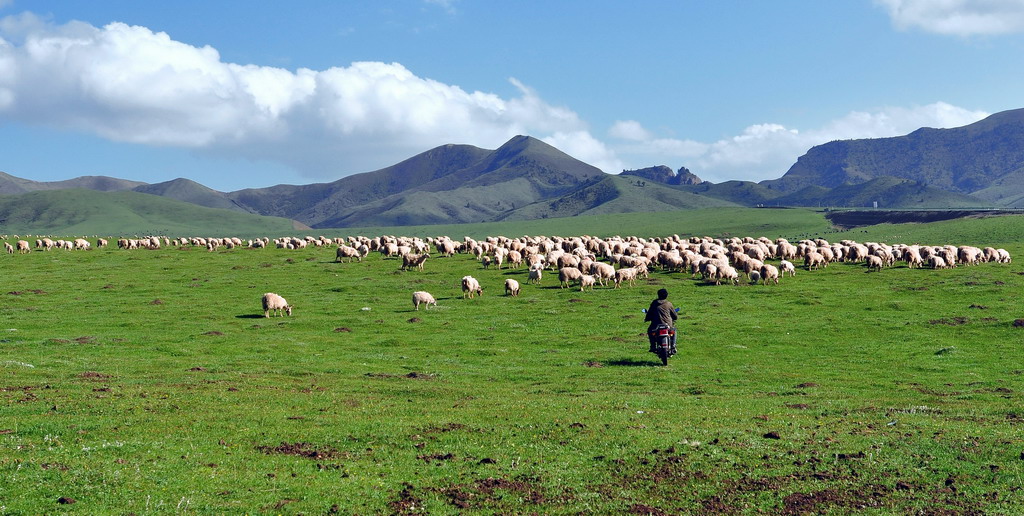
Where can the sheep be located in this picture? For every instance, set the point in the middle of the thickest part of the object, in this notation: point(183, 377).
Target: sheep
point(787, 266)
point(9, 248)
point(627, 274)
point(471, 287)
point(23, 247)
point(536, 273)
point(272, 301)
point(410, 260)
point(937, 262)
point(587, 280)
point(814, 259)
point(567, 275)
point(511, 287)
point(345, 251)
point(423, 298)
point(603, 272)
point(769, 273)
point(874, 262)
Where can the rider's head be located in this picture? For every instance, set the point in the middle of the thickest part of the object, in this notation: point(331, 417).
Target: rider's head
point(662, 294)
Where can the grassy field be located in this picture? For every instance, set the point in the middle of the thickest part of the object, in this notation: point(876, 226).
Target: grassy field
point(150, 382)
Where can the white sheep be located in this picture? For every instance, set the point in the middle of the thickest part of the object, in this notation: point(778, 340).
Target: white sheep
point(769, 273)
point(471, 287)
point(536, 273)
point(9, 248)
point(567, 275)
point(787, 266)
point(587, 280)
point(272, 301)
point(23, 247)
point(423, 298)
point(511, 287)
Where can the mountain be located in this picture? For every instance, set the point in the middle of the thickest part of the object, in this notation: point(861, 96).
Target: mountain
point(887, 191)
point(192, 192)
point(15, 185)
point(665, 175)
point(984, 159)
point(449, 184)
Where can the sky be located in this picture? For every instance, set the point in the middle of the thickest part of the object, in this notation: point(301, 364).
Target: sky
point(238, 94)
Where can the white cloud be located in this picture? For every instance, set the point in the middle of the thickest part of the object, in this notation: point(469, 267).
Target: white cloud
point(957, 17)
point(584, 147)
point(629, 130)
point(766, 151)
point(130, 84)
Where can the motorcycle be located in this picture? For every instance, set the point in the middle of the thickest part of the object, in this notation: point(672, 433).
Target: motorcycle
point(664, 336)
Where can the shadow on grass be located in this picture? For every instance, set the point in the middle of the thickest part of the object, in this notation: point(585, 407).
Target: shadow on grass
point(632, 362)
point(250, 316)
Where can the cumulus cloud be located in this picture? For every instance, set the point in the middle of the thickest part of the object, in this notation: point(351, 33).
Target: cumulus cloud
point(766, 151)
point(584, 147)
point(957, 17)
point(130, 84)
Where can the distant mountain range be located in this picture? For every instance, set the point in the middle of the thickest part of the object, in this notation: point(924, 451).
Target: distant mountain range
point(978, 165)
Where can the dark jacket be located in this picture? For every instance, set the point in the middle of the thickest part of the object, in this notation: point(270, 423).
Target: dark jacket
point(661, 312)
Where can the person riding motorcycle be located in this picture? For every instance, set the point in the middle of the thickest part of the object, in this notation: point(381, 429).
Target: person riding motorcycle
point(660, 312)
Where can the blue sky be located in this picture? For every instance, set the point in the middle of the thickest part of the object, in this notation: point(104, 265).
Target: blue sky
point(239, 94)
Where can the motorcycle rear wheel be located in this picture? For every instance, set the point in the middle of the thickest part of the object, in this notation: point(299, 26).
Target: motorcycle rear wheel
point(663, 355)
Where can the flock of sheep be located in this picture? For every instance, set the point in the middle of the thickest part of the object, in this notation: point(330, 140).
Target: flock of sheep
point(586, 261)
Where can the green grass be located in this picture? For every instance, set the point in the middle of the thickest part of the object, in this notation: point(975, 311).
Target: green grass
point(149, 382)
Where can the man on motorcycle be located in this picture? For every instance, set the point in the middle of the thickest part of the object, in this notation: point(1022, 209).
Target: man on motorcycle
point(660, 312)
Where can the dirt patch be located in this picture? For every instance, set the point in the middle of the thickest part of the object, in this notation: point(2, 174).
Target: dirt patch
point(157, 301)
point(60, 341)
point(197, 368)
point(85, 340)
point(108, 286)
point(437, 456)
point(955, 321)
point(307, 450)
point(407, 502)
point(978, 307)
point(798, 406)
point(593, 364)
point(343, 329)
point(1018, 323)
point(214, 333)
point(772, 435)
point(577, 425)
point(447, 427)
point(66, 500)
point(415, 320)
point(577, 300)
point(806, 385)
point(413, 375)
point(639, 508)
point(483, 493)
point(93, 375)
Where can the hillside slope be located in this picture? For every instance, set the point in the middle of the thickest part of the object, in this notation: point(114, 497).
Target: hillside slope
point(88, 212)
point(985, 157)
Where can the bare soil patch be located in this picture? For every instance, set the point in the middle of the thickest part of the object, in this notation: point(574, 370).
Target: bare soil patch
point(301, 449)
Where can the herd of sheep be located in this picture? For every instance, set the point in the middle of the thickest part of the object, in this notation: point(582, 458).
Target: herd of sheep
point(586, 261)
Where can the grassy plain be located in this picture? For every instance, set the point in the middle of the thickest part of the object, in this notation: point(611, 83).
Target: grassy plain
point(149, 382)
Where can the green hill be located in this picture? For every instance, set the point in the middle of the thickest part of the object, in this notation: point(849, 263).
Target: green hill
point(192, 192)
point(88, 212)
point(616, 194)
point(888, 192)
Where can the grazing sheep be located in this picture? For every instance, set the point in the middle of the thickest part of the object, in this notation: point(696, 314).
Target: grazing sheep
point(410, 260)
point(511, 287)
point(937, 262)
point(874, 262)
point(471, 287)
point(755, 277)
point(587, 280)
point(345, 251)
point(9, 248)
point(787, 266)
point(769, 273)
point(23, 247)
point(567, 275)
point(423, 298)
point(272, 301)
point(814, 259)
point(536, 273)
